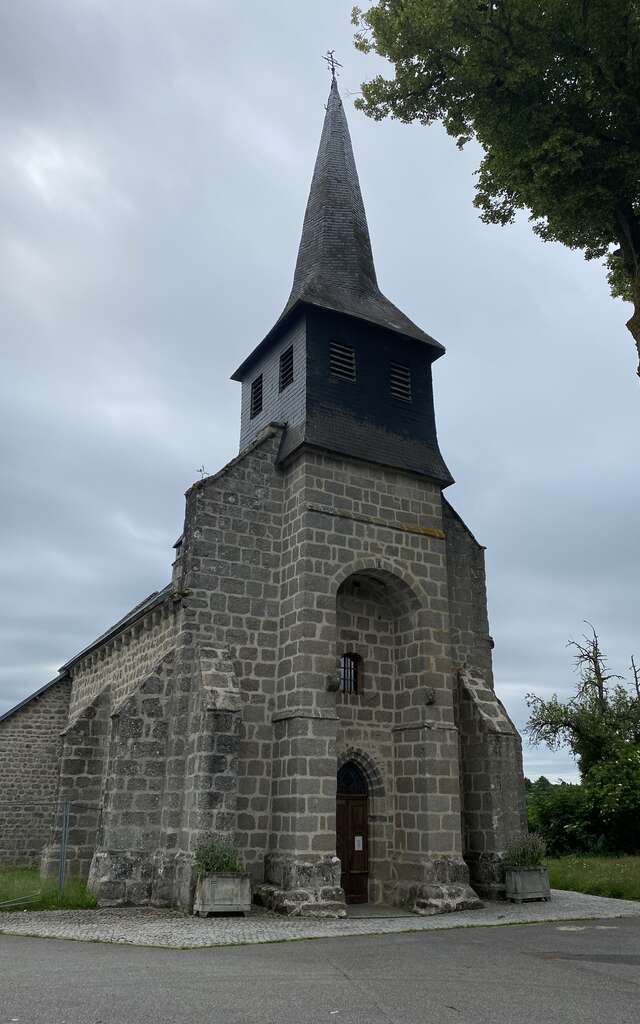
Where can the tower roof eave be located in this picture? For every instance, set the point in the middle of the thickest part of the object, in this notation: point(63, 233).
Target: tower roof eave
point(399, 324)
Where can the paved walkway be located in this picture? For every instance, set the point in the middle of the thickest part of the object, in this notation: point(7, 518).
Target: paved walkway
point(172, 930)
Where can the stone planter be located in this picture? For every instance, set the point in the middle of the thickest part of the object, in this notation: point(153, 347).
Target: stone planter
point(222, 894)
point(527, 884)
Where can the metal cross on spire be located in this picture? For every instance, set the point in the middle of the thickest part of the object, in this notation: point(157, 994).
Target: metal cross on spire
point(332, 63)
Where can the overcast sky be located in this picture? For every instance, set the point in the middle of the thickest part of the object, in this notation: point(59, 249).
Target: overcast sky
point(155, 159)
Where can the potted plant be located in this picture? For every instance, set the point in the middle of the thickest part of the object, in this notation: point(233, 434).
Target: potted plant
point(223, 886)
point(526, 877)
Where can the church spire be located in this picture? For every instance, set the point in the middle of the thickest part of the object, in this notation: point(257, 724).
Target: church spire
point(335, 267)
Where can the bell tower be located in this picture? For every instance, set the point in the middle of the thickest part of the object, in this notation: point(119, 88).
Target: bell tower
point(343, 369)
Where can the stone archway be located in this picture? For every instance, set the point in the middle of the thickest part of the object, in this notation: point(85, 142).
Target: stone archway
point(377, 621)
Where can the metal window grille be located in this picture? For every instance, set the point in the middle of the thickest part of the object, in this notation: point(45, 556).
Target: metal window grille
point(400, 380)
point(349, 673)
point(342, 362)
point(286, 368)
point(256, 396)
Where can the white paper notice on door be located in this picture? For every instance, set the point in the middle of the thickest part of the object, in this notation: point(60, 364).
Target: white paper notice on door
point(358, 843)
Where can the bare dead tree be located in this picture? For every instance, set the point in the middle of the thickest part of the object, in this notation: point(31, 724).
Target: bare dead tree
point(591, 663)
point(636, 675)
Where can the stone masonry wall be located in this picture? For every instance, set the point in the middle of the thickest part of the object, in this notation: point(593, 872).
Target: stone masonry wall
point(123, 663)
point(471, 643)
point(130, 833)
point(366, 625)
point(343, 517)
point(30, 750)
point(82, 773)
point(227, 650)
point(490, 748)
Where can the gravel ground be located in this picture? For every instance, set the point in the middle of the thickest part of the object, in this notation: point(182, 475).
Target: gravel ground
point(172, 930)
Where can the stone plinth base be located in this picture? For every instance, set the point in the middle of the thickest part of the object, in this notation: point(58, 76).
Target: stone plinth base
point(139, 878)
point(118, 878)
point(433, 885)
point(486, 873)
point(444, 899)
point(302, 888)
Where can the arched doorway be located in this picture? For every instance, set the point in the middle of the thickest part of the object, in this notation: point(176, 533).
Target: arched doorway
point(352, 832)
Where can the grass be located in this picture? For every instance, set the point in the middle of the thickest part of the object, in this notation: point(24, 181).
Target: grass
point(18, 885)
point(616, 877)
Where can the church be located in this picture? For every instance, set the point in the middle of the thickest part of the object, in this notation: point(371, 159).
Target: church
point(315, 683)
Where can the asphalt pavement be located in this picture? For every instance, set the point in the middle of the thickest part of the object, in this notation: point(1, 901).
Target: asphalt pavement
point(557, 973)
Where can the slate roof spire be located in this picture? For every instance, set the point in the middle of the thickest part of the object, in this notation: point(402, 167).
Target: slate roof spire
point(335, 267)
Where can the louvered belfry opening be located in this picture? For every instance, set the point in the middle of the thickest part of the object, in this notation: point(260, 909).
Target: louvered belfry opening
point(286, 368)
point(256, 396)
point(400, 382)
point(342, 362)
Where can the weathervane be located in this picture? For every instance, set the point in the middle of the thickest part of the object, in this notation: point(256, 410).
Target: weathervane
point(332, 63)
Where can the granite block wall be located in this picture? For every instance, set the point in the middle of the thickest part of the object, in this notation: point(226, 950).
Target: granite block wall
point(30, 749)
point(130, 835)
point(378, 527)
point(227, 651)
point(82, 772)
point(490, 748)
point(219, 714)
point(123, 662)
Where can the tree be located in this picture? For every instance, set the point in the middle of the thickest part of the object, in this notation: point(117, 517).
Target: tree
point(602, 717)
point(551, 91)
point(601, 727)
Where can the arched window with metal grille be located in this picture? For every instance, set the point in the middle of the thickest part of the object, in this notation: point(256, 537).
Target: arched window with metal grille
point(350, 673)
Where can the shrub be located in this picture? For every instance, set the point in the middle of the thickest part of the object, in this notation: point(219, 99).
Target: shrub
point(216, 857)
point(526, 852)
point(612, 793)
point(561, 814)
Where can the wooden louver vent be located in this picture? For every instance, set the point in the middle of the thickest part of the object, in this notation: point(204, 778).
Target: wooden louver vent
point(400, 379)
point(256, 396)
point(286, 368)
point(342, 362)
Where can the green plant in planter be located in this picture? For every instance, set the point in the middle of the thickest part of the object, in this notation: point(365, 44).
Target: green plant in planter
point(217, 858)
point(526, 877)
point(527, 851)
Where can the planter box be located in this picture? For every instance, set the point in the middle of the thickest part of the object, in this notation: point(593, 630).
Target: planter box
point(527, 884)
point(222, 894)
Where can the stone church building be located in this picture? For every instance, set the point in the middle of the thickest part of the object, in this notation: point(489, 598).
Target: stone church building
point(315, 683)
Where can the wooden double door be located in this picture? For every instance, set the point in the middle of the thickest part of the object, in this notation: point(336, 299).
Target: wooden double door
point(352, 841)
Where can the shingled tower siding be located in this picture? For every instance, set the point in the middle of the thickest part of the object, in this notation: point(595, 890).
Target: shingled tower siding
point(287, 406)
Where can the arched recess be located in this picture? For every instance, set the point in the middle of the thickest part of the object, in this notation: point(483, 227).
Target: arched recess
point(400, 582)
point(367, 766)
point(381, 616)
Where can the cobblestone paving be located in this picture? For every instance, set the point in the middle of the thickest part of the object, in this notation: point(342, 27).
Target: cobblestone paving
point(172, 930)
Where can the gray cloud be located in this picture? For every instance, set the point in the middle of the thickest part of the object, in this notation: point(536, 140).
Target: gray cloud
point(154, 165)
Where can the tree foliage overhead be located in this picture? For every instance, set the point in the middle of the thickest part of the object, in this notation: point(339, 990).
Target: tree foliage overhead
point(551, 91)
